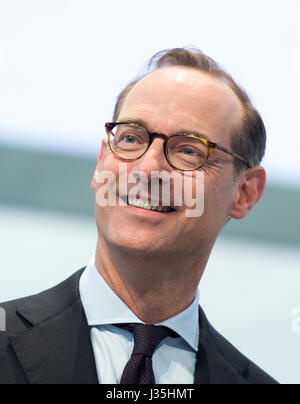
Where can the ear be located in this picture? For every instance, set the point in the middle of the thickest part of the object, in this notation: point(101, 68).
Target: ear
point(250, 188)
point(94, 180)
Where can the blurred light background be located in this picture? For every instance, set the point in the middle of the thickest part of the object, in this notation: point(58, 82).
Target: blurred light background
point(62, 65)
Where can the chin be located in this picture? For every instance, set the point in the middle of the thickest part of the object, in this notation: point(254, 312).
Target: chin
point(138, 244)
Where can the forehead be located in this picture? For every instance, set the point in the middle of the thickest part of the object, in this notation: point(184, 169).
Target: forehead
point(176, 98)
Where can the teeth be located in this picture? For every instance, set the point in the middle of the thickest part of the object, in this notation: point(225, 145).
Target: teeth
point(140, 203)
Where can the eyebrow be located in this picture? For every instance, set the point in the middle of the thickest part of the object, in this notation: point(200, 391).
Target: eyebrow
point(142, 123)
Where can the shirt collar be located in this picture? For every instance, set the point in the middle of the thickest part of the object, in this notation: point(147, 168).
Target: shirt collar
point(102, 306)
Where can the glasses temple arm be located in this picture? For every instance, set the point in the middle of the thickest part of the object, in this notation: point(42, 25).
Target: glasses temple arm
point(232, 154)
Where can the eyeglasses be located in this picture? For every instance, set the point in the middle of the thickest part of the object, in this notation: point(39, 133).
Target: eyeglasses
point(129, 141)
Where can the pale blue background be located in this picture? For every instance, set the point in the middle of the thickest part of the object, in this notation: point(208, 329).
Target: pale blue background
point(62, 64)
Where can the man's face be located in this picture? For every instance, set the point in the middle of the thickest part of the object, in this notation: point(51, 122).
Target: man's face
point(170, 101)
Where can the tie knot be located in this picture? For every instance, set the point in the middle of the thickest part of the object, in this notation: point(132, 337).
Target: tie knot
point(147, 337)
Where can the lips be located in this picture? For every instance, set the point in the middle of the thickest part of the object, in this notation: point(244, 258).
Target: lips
point(144, 203)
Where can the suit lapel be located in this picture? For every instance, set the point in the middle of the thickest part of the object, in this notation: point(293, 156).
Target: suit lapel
point(217, 361)
point(56, 350)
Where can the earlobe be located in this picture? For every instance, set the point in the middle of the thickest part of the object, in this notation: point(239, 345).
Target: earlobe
point(249, 190)
point(100, 156)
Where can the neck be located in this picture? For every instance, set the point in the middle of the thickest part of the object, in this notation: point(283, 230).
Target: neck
point(154, 288)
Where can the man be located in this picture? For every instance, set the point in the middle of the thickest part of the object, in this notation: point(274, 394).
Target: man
point(132, 315)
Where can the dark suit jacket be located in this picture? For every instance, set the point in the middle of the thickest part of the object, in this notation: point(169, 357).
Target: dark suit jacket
point(47, 341)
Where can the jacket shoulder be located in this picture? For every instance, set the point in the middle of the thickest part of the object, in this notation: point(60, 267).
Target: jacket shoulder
point(252, 374)
point(22, 313)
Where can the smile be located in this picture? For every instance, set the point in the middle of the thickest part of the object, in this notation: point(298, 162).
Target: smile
point(144, 204)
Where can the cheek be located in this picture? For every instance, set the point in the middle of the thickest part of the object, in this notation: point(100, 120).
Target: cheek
point(107, 179)
point(108, 169)
point(109, 161)
point(218, 199)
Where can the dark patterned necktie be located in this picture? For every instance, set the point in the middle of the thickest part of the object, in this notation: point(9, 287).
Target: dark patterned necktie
point(146, 338)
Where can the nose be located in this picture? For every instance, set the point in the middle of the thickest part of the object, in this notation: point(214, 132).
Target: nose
point(154, 159)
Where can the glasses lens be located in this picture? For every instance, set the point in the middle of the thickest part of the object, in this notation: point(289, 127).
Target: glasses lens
point(129, 141)
point(187, 153)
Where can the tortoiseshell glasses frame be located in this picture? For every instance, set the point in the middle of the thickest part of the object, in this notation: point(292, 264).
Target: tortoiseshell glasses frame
point(109, 126)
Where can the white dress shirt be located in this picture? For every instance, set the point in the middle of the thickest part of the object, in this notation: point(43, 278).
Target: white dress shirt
point(174, 358)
